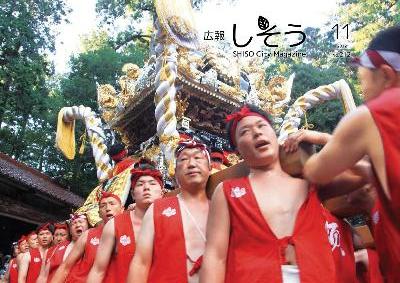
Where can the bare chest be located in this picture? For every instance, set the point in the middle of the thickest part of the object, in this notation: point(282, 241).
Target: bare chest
point(279, 207)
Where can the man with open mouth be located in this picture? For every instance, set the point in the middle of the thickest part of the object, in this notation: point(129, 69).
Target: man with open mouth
point(269, 226)
point(118, 240)
point(78, 224)
point(77, 265)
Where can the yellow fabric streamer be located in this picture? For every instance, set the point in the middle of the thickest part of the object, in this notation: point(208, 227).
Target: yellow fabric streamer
point(65, 136)
point(83, 142)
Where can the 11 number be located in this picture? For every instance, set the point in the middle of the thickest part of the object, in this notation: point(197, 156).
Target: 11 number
point(346, 27)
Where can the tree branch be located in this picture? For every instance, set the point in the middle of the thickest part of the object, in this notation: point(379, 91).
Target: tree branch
point(131, 37)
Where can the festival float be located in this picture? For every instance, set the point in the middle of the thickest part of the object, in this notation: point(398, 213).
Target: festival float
point(185, 90)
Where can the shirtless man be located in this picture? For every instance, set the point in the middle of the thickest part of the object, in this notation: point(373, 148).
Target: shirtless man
point(23, 245)
point(372, 130)
point(118, 240)
point(172, 240)
point(31, 262)
point(78, 224)
point(269, 226)
point(11, 275)
point(77, 265)
point(32, 240)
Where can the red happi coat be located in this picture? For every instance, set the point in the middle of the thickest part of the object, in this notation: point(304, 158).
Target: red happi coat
point(323, 248)
point(372, 273)
point(56, 258)
point(125, 249)
point(13, 271)
point(341, 239)
point(387, 242)
point(34, 266)
point(80, 271)
point(169, 254)
point(385, 110)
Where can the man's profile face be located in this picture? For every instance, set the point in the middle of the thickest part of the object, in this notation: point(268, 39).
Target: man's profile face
point(45, 238)
point(33, 241)
point(23, 246)
point(192, 167)
point(109, 207)
point(372, 82)
point(256, 141)
point(146, 190)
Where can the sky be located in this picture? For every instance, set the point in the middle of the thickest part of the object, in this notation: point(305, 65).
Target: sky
point(216, 15)
point(82, 22)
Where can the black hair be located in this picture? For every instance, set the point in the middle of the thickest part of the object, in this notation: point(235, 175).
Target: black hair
point(252, 108)
point(217, 149)
point(115, 149)
point(386, 40)
point(144, 164)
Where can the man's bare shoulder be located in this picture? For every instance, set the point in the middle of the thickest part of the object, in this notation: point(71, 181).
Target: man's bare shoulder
point(356, 119)
point(109, 226)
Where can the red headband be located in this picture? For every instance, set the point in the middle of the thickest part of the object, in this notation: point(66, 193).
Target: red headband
point(23, 238)
point(104, 195)
point(237, 116)
point(137, 173)
point(43, 227)
point(30, 234)
point(60, 226)
point(120, 155)
point(192, 144)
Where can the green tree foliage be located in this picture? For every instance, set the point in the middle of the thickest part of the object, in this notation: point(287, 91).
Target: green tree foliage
point(367, 17)
point(25, 36)
point(98, 63)
point(31, 96)
point(321, 66)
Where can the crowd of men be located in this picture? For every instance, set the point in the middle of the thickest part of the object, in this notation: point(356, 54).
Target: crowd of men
point(265, 227)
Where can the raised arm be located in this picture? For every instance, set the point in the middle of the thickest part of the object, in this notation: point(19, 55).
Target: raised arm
point(103, 256)
point(292, 142)
point(73, 257)
point(344, 149)
point(218, 228)
point(23, 266)
point(141, 262)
